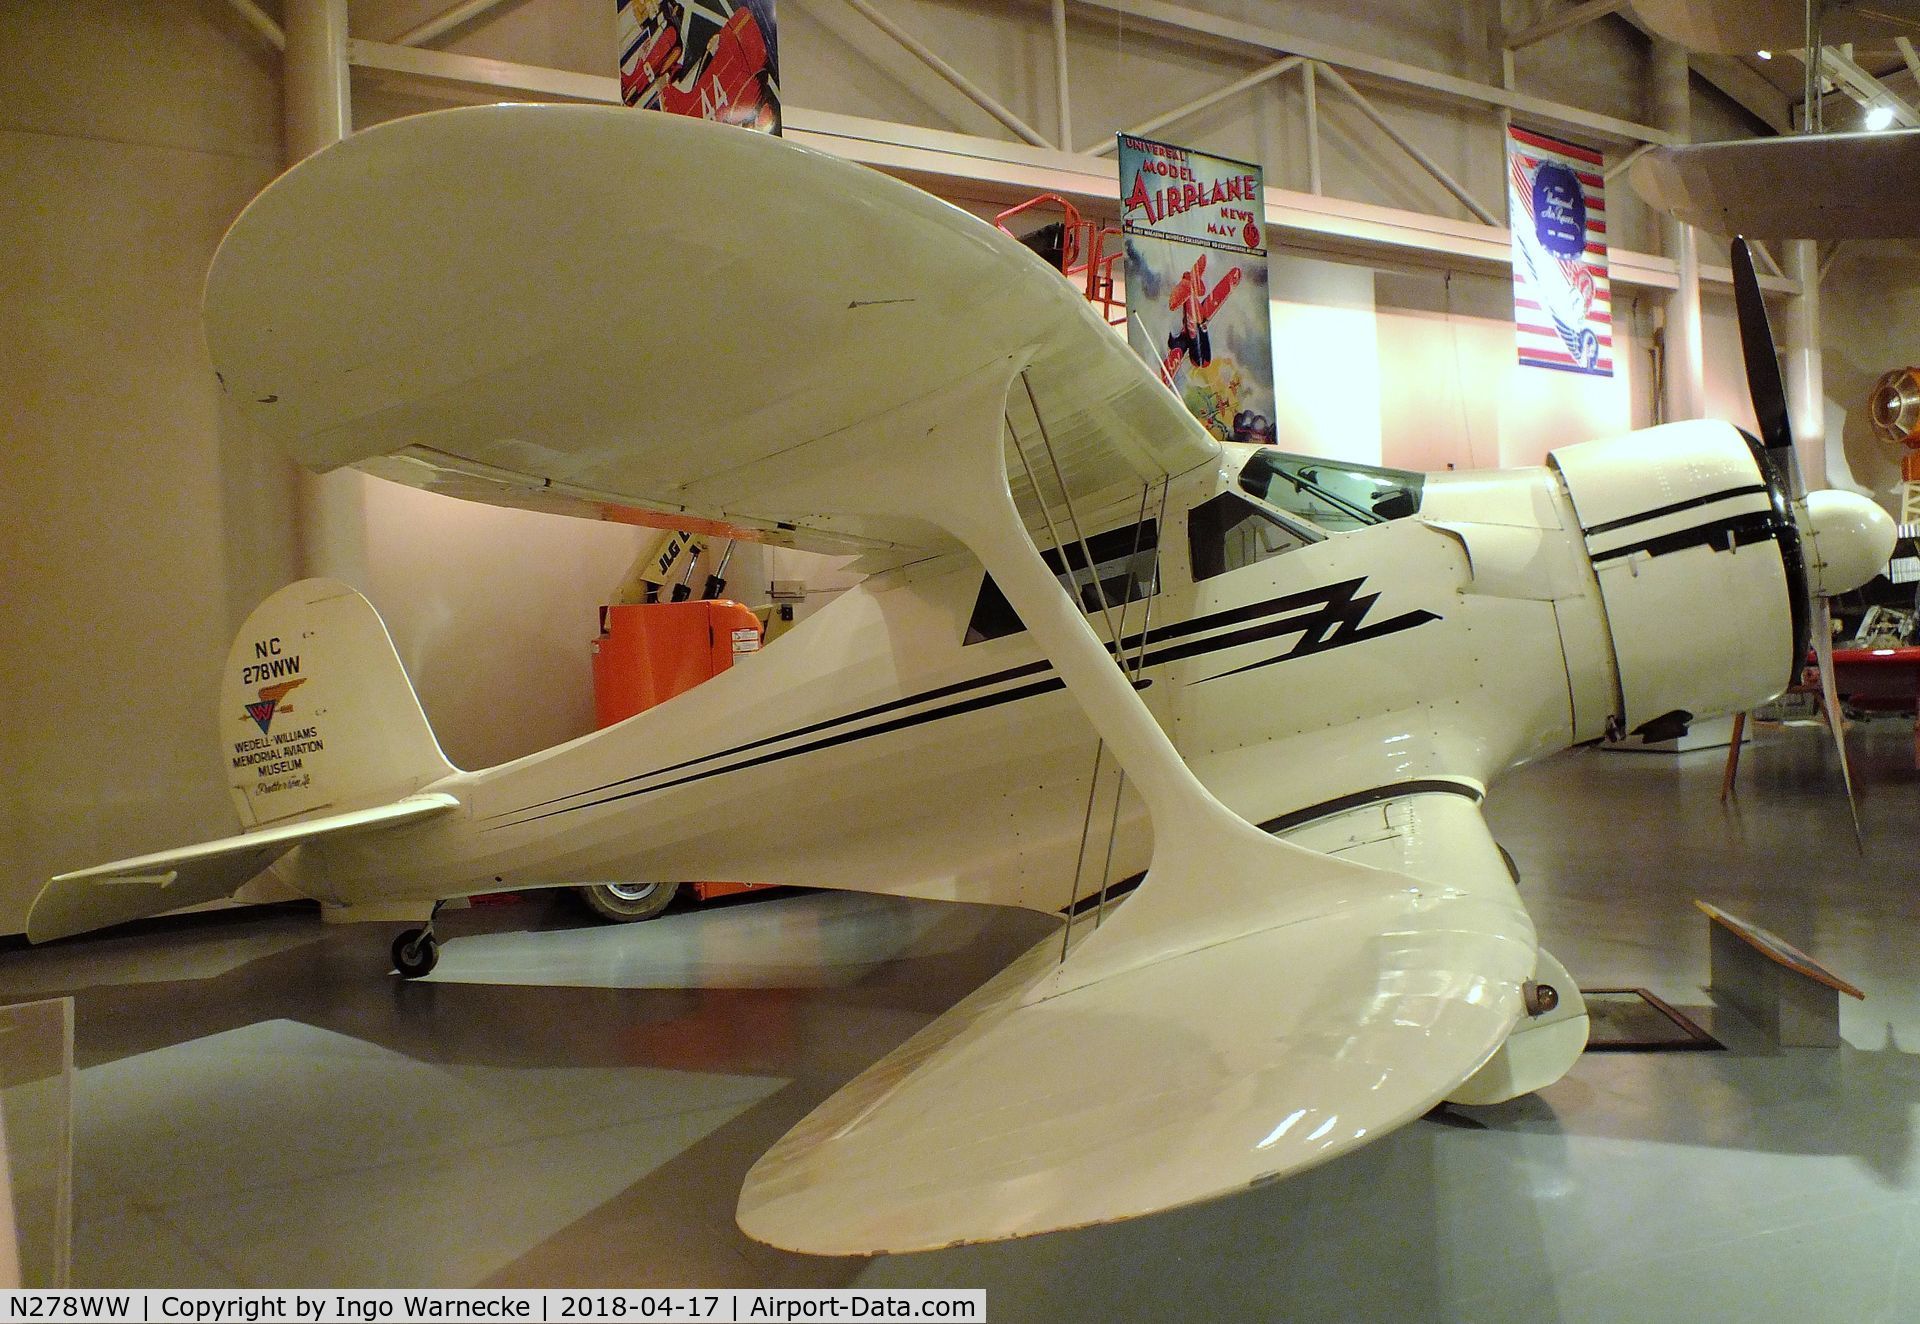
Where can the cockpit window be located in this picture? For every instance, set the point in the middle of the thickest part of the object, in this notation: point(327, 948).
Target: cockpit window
point(1228, 532)
point(1332, 493)
point(1125, 569)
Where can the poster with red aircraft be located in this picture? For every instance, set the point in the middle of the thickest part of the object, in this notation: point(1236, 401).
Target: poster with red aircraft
point(1197, 282)
point(713, 59)
point(1562, 299)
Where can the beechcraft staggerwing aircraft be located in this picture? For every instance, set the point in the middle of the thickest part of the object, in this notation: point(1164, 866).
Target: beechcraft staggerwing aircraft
point(1287, 933)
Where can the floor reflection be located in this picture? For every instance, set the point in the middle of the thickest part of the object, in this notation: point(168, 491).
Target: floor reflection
point(570, 1104)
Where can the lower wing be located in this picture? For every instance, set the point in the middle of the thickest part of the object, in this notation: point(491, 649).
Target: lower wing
point(1346, 1011)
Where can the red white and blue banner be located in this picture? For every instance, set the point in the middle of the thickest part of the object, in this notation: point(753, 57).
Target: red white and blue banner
point(712, 59)
point(1562, 299)
point(1196, 272)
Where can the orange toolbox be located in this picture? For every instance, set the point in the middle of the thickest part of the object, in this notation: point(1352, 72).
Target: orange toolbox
point(649, 652)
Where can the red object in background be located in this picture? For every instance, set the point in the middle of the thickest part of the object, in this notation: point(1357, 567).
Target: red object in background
point(650, 652)
point(1881, 680)
point(646, 654)
point(728, 81)
point(1085, 252)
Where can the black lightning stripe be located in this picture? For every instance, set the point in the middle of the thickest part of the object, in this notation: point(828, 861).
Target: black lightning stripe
point(1336, 624)
point(1334, 621)
point(897, 724)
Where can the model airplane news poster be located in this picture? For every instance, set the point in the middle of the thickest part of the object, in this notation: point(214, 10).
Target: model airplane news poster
point(1562, 301)
point(1197, 282)
point(717, 60)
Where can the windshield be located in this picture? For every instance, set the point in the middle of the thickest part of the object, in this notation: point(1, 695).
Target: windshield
point(1334, 494)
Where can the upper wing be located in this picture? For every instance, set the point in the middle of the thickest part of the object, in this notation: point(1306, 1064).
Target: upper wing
point(646, 317)
point(1351, 1010)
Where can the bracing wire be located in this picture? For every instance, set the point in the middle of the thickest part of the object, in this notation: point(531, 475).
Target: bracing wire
point(1115, 630)
point(1139, 664)
point(1086, 826)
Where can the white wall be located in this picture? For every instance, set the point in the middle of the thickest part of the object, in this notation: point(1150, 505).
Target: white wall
point(139, 527)
point(1326, 358)
point(143, 523)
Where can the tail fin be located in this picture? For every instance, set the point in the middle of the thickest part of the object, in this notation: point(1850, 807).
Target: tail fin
point(323, 736)
point(317, 715)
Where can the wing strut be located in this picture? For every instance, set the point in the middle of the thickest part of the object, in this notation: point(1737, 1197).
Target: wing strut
point(1192, 831)
point(1133, 675)
point(1201, 848)
point(1115, 633)
point(1253, 1009)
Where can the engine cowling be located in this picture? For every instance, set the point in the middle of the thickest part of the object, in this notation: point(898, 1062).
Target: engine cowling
point(1701, 569)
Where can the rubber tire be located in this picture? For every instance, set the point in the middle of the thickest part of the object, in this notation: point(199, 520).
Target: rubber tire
point(424, 954)
point(605, 900)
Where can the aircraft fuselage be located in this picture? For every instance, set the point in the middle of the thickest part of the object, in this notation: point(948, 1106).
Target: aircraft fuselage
point(876, 748)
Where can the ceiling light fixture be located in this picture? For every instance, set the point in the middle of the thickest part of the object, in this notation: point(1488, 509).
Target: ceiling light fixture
point(1879, 117)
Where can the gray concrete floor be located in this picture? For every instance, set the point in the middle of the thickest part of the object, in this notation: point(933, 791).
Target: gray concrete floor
point(260, 1104)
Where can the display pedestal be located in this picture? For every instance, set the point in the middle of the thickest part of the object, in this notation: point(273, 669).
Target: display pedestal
point(1715, 733)
point(1788, 996)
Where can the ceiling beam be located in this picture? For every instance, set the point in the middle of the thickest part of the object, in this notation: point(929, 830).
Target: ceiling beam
point(1864, 88)
point(1745, 88)
point(478, 71)
point(962, 165)
point(1274, 42)
point(1907, 54)
point(443, 23)
point(261, 22)
point(1566, 20)
point(1198, 104)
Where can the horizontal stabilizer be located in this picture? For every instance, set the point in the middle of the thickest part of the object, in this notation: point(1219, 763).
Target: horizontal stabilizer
point(168, 880)
point(1246, 1060)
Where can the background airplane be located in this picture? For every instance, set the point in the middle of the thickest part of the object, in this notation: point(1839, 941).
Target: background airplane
point(1241, 756)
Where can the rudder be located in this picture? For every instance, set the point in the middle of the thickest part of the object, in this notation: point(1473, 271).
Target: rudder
point(316, 712)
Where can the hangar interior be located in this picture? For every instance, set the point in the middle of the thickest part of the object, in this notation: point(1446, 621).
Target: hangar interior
point(257, 1103)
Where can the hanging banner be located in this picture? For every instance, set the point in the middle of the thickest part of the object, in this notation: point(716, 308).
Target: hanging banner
point(717, 60)
point(1197, 282)
point(1562, 304)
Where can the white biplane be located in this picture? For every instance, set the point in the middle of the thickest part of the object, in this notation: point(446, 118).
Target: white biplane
point(1233, 719)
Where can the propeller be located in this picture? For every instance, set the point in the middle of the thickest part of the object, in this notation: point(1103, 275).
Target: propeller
point(1840, 538)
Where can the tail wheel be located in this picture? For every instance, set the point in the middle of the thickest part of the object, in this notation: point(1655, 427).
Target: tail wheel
point(627, 903)
point(415, 952)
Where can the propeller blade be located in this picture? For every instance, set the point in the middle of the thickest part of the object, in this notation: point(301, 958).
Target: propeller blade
point(1764, 382)
point(1830, 700)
